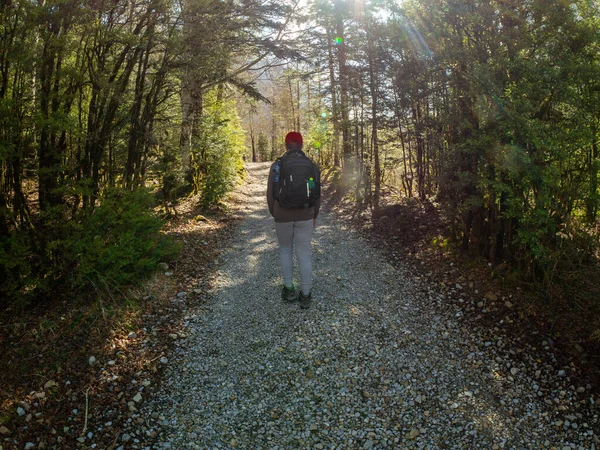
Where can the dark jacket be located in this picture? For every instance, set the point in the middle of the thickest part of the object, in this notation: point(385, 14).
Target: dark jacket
point(290, 215)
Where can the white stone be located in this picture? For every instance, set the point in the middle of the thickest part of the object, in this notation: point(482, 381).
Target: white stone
point(50, 384)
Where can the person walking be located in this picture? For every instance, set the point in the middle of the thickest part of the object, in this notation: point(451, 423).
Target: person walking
point(294, 199)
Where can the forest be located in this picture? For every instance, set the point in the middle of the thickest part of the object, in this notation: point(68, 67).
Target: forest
point(112, 111)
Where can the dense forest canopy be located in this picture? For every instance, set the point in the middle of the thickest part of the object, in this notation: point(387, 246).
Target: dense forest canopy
point(102, 101)
point(489, 109)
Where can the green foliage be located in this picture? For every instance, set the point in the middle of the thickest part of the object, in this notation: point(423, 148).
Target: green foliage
point(263, 147)
point(15, 268)
point(171, 180)
point(319, 136)
point(91, 99)
point(520, 162)
point(119, 244)
point(218, 152)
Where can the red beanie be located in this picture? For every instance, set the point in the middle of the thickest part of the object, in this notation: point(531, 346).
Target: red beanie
point(293, 137)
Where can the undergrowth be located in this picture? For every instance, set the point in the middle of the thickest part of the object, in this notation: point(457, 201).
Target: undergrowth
point(101, 254)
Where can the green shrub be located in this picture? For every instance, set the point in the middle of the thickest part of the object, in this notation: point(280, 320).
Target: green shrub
point(119, 244)
point(15, 268)
point(217, 152)
point(116, 246)
point(216, 184)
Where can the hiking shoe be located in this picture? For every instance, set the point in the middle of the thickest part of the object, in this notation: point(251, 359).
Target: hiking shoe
point(305, 300)
point(289, 295)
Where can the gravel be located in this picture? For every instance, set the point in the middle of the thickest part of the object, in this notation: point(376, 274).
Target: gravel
point(381, 360)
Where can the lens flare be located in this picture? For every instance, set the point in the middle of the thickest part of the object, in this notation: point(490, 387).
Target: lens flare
point(419, 45)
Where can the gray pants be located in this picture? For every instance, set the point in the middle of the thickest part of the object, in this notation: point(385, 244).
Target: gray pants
point(297, 234)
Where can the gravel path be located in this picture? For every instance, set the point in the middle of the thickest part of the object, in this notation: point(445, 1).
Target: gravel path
point(379, 361)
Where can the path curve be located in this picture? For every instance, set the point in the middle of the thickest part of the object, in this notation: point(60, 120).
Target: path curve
point(377, 362)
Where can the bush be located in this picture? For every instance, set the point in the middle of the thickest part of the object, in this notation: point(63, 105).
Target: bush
point(15, 268)
point(119, 244)
point(217, 152)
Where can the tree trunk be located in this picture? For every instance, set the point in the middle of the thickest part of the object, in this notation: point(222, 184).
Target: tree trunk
point(273, 132)
point(334, 103)
point(592, 202)
point(135, 131)
point(49, 159)
point(374, 86)
point(298, 127)
point(103, 126)
point(416, 112)
point(252, 143)
point(289, 80)
point(191, 113)
point(344, 89)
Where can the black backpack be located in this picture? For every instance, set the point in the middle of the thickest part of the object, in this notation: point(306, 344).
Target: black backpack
point(299, 183)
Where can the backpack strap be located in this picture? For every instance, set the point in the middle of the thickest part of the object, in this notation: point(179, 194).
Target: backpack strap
point(277, 182)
